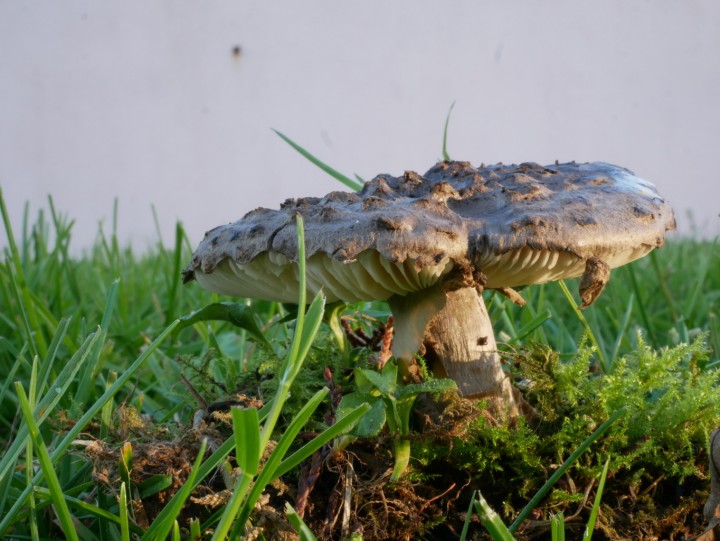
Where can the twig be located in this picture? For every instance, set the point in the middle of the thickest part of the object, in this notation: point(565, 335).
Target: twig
point(201, 401)
point(428, 502)
point(349, 474)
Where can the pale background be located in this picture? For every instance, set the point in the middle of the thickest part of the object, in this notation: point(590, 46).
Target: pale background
point(147, 102)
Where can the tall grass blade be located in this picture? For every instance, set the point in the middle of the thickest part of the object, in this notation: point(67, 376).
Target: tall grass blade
point(540, 494)
point(220, 454)
point(468, 518)
point(108, 408)
point(350, 183)
point(528, 328)
point(5, 482)
point(714, 333)
point(125, 464)
point(445, 154)
point(491, 520)
point(596, 504)
point(621, 331)
point(88, 509)
point(649, 327)
point(29, 454)
point(124, 521)
point(340, 427)
point(21, 290)
point(67, 278)
point(61, 508)
point(300, 527)
point(206, 468)
point(153, 485)
point(174, 277)
point(49, 360)
point(195, 532)
point(665, 289)
point(92, 369)
point(588, 330)
point(246, 429)
point(238, 509)
point(557, 527)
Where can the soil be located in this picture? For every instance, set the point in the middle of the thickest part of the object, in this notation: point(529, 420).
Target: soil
point(349, 491)
point(353, 494)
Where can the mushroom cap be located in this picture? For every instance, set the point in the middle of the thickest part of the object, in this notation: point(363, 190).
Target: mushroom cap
point(531, 224)
point(365, 246)
point(515, 224)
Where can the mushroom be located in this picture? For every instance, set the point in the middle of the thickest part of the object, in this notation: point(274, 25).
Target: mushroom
point(429, 245)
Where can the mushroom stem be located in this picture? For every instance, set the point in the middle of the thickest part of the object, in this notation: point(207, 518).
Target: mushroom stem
point(460, 344)
point(411, 314)
point(712, 506)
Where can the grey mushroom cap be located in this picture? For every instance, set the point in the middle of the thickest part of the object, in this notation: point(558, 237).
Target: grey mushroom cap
point(510, 224)
point(531, 224)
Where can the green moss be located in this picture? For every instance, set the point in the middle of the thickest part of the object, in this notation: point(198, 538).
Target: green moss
point(671, 405)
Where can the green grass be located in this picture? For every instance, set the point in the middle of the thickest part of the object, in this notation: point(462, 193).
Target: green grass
point(85, 341)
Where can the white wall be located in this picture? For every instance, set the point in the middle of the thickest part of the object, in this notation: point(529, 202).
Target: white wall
point(145, 100)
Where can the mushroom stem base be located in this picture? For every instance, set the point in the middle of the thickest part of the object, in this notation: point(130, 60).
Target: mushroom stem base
point(460, 344)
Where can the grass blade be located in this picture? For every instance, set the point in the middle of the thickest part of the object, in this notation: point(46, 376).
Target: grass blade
point(270, 468)
point(108, 408)
point(174, 277)
point(49, 359)
point(153, 485)
point(124, 522)
point(445, 154)
point(210, 465)
point(246, 429)
point(350, 183)
point(61, 508)
point(491, 520)
point(21, 290)
point(327, 435)
point(540, 494)
point(195, 532)
point(649, 327)
point(596, 504)
point(90, 372)
point(665, 290)
point(300, 527)
point(468, 518)
point(585, 324)
point(621, 331)
point(88, 508)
